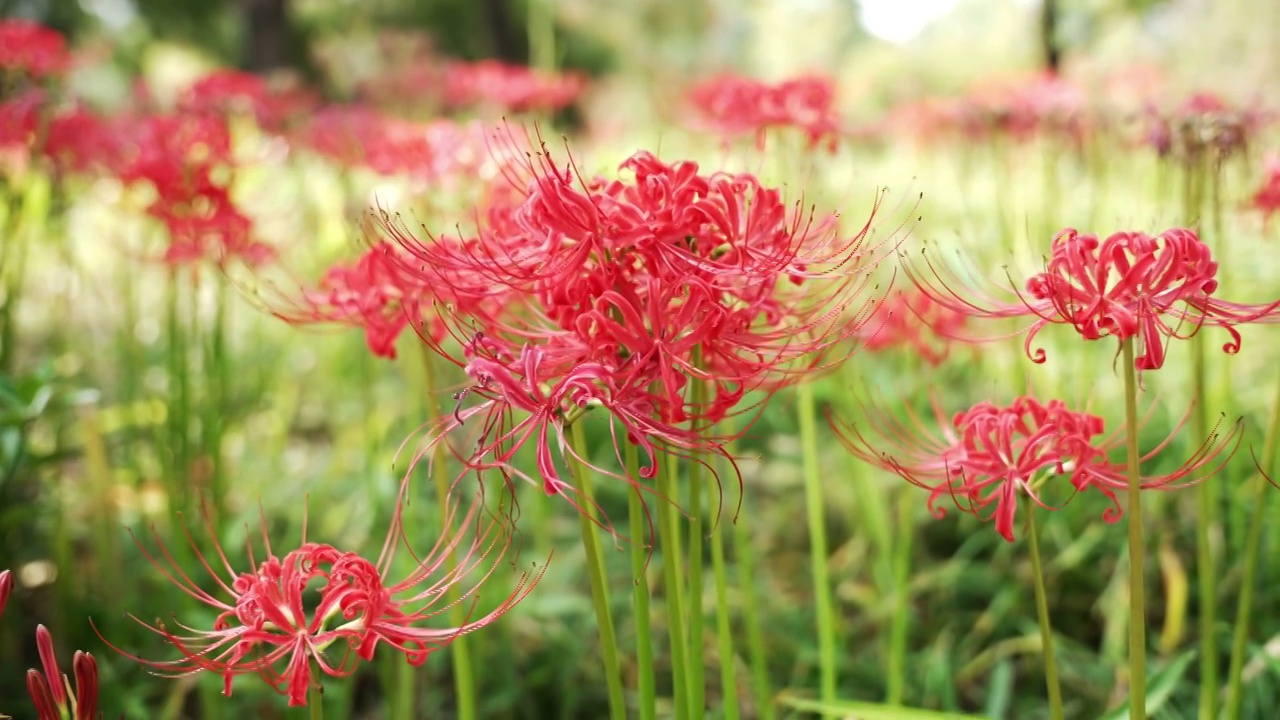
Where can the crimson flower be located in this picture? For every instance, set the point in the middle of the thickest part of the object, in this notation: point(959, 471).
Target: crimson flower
point(51, 691)
point(659, 298)
point(31, 49)
point(230, 92)
point(991, 454)
point(515, 88)
point(320, 607)
point(735, 105)
point(1131, 285)
point(182, 157)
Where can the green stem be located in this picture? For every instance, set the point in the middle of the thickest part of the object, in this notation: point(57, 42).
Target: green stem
point(745, 555)
point(542, 34)
point(668, 529)
point(697, 668)
point(724, 631)
point(596, 575)
point(1046, 628)
point(316, 703)
point(818, 544)
point(640, 591)
point(900, 621)
point(1137, 587)
point(1253, 544)
point(1206, 520)
point(464, 682)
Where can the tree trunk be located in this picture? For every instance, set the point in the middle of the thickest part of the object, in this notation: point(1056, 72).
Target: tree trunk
point(268, 34)
point(1049, 36)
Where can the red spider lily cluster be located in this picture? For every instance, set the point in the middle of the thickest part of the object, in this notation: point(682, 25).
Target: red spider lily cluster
point(515, 88)
point(6, 589)
point(230, 93)
point(1130, 285)
point(734, 105)
point(31, 50)
point(624, 294)
point(1204, 125)
point(992, 454)
point(270, 625)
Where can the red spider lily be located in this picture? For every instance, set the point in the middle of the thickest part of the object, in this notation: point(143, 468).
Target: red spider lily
point(991, 454)
point(271, 626)
point(1131, 285)
point(6, 589)
point(1267, 197)
point(374, 293)
point(514, 88)
point(735, 105)
point(180, 157)
point(1203, 125)
point(632, 296)
point(230, 92)
point(31, 49)
point(51, 691)
point(907, 320)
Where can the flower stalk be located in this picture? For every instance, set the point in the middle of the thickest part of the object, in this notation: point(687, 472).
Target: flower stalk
point(817, 543)
point(1137, 587)
point(1051, 682)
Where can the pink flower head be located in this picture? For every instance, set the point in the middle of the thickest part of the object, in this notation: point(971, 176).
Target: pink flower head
point(991, 454)
point(1267, 198)
point(1022, 108)
point(734, 105)
point(514, 88)
point(51, 691)
point(1204, 125)
point(31, 49)
point(1131, 285)
point(318, 607)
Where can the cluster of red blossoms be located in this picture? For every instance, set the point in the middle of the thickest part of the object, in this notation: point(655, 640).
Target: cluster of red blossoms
point(51, 692)
point(1267, 198)
point(991, 454)
point(661, 298)
point(1130, 285)
point(271, 625)
point(733, 106)
point(31, 50)
point(914, 321)
point(517, 88)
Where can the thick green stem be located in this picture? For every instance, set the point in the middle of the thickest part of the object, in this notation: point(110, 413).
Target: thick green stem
point(1253, 544)
point(464, 682)
point(724, 631)
point(596, 576)
point(1046, 627)
point(900, 621)
point(668, 529)
point(316, 702)
point(542, 34)
point(823, 605)
point(645, 685)
point(1137, 556)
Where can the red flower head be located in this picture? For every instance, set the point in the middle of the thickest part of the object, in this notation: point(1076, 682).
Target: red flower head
point(231, 92)
point(1203, 125)
point(991, 454)
point(271, 625)
point(31, 49)
point(514, 88)
point(1022, 108)
point(1131, 285)
point(661, 297)
point(375, 293)
point(50, 691)
point(182, 158)
point(1267, 197)
point(735, 105)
